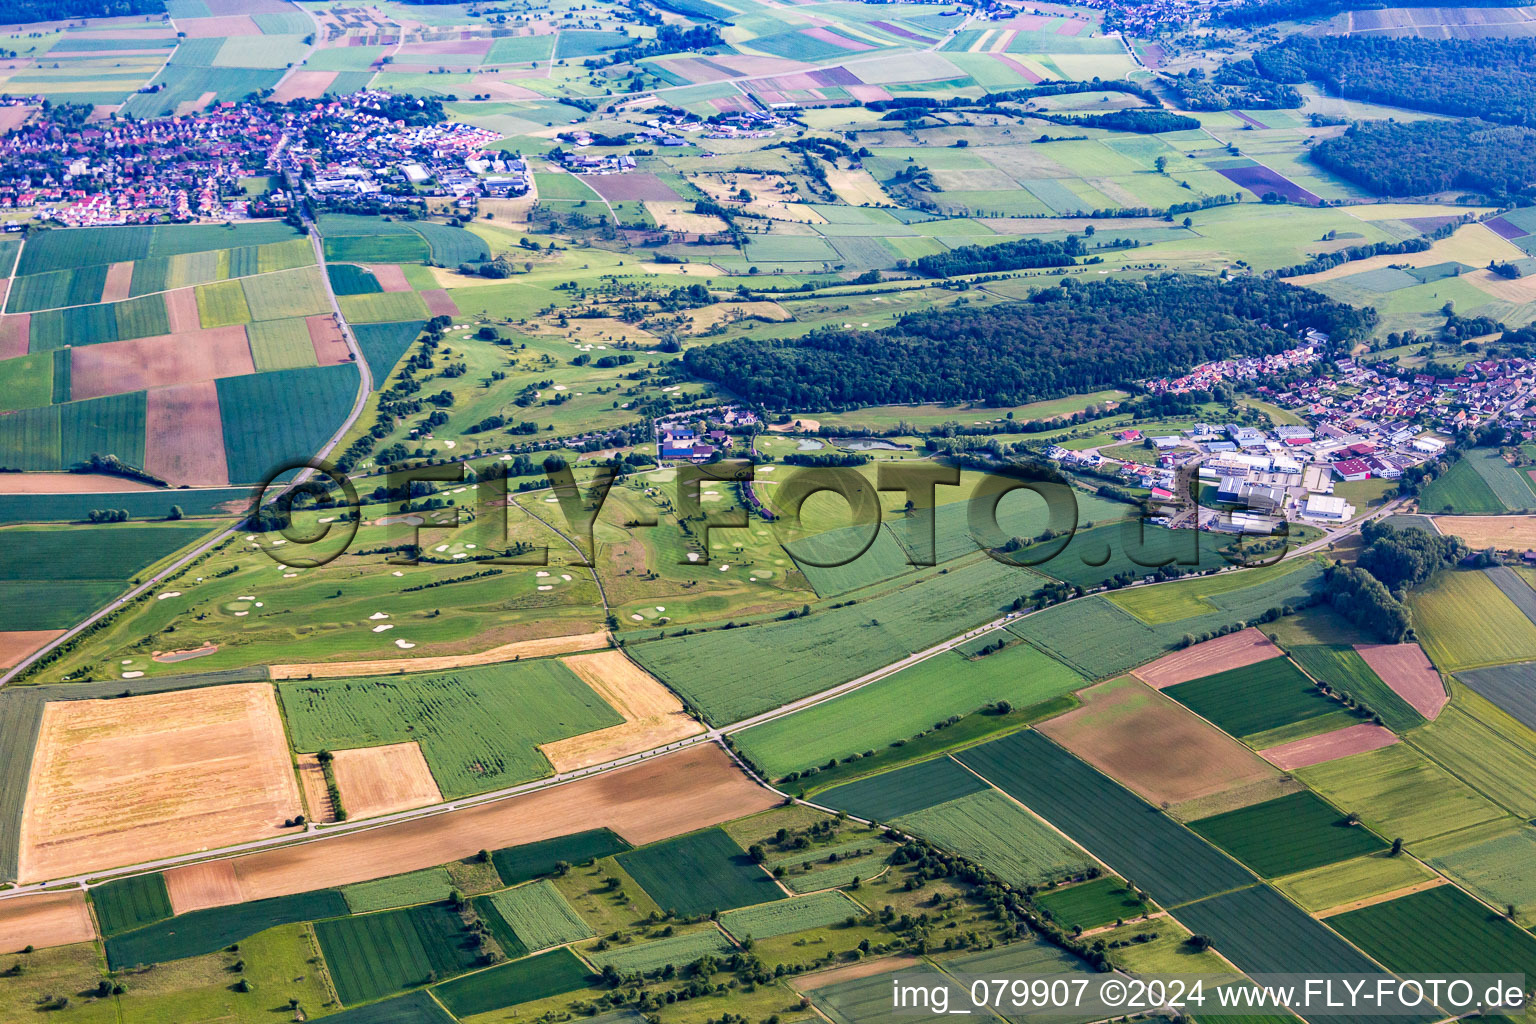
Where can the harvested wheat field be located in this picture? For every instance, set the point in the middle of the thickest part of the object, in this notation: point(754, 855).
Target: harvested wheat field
point(303, 85)
point(199, 886)
point(382, 780)
point(1154, 745)
point(541, 648)
point(44, 919)
point(391, 276)
point(115, 367)
point(858, 188)
point(653, 716)
point(768, 196)
point(1407, 669)
point(1235, 650)
point(317, 797)
point(182, 434)
point(325, 335)
point(181, 310)
point(680, 217)
point(119, 277)
point(1521, 290)
point(853, 972)
point(170, 772)
point(15, 334)
point(1474, 244)
point(659, 798)
point(1506, 533)
point(1330, 746)
point(17, 644)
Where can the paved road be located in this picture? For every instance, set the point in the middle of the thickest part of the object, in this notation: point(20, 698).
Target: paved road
point(317, 833)
point(364, 389)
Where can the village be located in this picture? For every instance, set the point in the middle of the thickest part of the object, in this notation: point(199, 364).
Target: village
point(250, 159)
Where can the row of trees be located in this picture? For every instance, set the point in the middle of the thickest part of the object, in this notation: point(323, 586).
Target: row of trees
point(1066, 339)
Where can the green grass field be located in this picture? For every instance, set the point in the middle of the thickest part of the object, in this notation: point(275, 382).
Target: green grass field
point(204, 931)
point(426, 886)
point(1493, 861)
point(390, 248)
point(479, 728)
point(786, 917)
point(1255, 699)
point(130, 903)
point(26, 382)
point(1182, 599)
point(351, 279)
point(1285, 836)
point(652, 955)
point(280, 345)
point(377, 955)
point(904, 791)
point(1399, 793)
point(288, 293)
point(263, 425)
point(539, 916)
point(383, 307)
point(905, 704)
point(222, 304)
point(996, 833)
point(1262, 932)
point(516, 864)
point(1461, 490)
point(1463, 621)
point(1440, 929)
point(1136, 840)
point(1335, 884)
point(520, 981)
point(1090, 904)
point(699, 873)
point(1484, 747)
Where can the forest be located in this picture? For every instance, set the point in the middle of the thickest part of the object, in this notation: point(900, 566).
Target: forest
point(1019, 254)
point(1494, 79)
point(1421, 157)
point(1064, 339)
point(20, 11)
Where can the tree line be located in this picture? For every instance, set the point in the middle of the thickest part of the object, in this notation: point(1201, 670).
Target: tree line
point(1066, 339)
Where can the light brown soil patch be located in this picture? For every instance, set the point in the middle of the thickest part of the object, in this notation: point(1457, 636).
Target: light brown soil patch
point(15, 333)
point(1330, 746)
point(18, 644)
point(382, 780)
point(1235, 650)
point(798, 423)
point(69, 483)
point(303, 85)
point(183, 435)
point(168, 773)
point(229, 25)
point(1153, 744)
point(119, 278)
point(11, 117)
point(1371, 901)
point(44, 919)
point(325, 336)
point(539, 648)
point(1521, 290)
point(116, 367)
point(181, 308)
point(1506, 533)
point(200, 886)
point(1406, 669)
point(391, 276)
point(662, 797)
point(680, 217)
point(317, 796)
point(186, 107)
point(500, 90)
point(653, 716)
point(853, 972)
point(439, 302)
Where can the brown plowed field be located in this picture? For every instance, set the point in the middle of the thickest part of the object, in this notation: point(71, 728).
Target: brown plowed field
point(541, 648)
point(662, 797)
point(1154, 745)
point(653, 716)
point(1406, 669)
point(166, 773)
point(391, 276)
point(69, 483)
point(1330, 746)
point(199, 886)
point(1235, 650)
point(116, 367)
point(183, 435)
point(15, 333)
point(181, 309)
point(382, 780)
point(44, 919)
point(325, 336)
point(303, 85)
point(119, 277)
point(17, 644)
point(439, 302)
